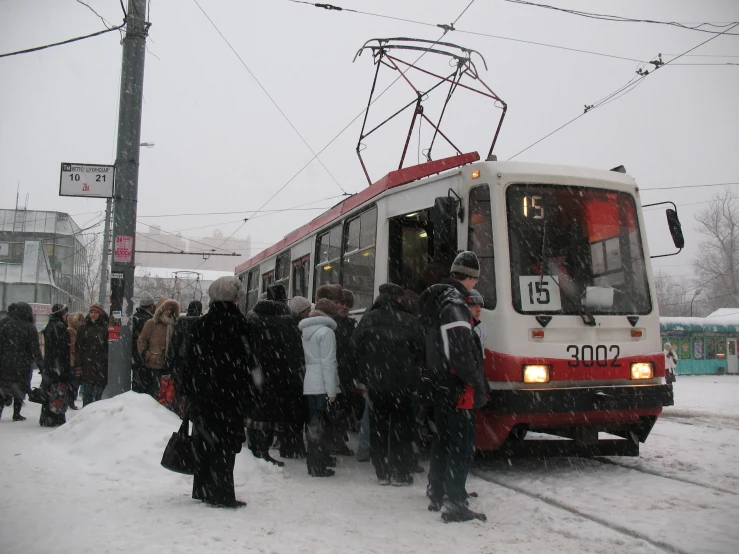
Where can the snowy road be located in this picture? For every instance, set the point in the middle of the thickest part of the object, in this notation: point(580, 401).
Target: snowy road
point(95, 485)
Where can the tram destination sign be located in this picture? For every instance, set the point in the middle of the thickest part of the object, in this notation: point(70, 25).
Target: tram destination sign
point(92, 181)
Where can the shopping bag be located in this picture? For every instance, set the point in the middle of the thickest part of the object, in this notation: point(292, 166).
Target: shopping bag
point(179, 455)
point(322, 431)
point(167, 393)
point(58, 398)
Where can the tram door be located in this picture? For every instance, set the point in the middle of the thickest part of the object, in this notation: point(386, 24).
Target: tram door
point(732, 361)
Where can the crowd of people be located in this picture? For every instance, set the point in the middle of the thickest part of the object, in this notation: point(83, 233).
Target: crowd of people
point(289, 373)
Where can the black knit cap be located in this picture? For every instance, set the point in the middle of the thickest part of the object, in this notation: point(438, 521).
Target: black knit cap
point(467, 264)
point(277, 293)
point(392, 289)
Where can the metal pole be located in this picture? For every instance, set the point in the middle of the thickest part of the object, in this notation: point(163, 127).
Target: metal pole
point(126, 198)
point(104, 259)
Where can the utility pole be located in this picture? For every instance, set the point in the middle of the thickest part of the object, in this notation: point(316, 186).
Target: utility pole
point(104, 260)
point(126, 199)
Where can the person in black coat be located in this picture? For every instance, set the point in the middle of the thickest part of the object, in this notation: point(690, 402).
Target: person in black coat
point(389, 348)
point(142, 380)
point(176, 355)
point(56, 374)
point(215, 378)
point(91, 354)
point(19, 350)
point(278, 366)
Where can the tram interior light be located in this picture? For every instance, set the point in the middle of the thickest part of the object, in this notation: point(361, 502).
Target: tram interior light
point(535, 374)
point(641, 370)
point(414, 214)
point(327, 267)
point(423, 234)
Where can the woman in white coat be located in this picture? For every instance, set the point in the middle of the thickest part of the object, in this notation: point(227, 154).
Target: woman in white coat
point(670, 363)
point(321, 382)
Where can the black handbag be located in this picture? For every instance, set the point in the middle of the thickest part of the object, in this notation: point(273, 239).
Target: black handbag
point(179, 455)
point(321, 430)
point(37, 396)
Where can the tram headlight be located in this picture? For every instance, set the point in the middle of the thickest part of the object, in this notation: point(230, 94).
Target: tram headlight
point(536, 374)
point(641, 370)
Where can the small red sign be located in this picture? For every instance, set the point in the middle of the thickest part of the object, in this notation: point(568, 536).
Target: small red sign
point(123, 251)
point(114, 332)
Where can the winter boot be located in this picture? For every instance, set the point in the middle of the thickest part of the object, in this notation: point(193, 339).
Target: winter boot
point(17, 403)
point(434, 505)
point(403, 481)
point(266, 457)
point(453, 512)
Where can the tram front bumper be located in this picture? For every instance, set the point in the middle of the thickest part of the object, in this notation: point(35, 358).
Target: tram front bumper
point(578, 399)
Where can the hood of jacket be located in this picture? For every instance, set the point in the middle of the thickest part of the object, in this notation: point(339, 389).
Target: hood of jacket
point(75, 320)
point(271, 307)
point(167, 304)
point(436, 296)
point(21, 311)
point(310, 325)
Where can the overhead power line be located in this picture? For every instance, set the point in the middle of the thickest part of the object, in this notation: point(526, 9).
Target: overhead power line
point(688, 186)
point(620, 19)
point(274, 102)
point(634, 82)
point(68, 41)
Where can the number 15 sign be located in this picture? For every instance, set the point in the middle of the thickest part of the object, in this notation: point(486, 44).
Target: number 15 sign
point(94, 181)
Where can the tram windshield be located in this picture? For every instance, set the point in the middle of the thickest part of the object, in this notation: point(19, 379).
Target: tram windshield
point(571, 244)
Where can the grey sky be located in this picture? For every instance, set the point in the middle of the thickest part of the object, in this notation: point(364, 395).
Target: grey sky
point(222, 146)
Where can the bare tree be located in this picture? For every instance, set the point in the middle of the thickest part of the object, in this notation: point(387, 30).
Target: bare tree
point(156, 286)
point(717, 263)
point(672, 296)
point(91, 279)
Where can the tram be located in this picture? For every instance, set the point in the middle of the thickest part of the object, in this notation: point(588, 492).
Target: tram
point(573, 348)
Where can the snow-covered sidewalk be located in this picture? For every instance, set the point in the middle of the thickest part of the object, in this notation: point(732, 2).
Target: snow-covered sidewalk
point(95, 485)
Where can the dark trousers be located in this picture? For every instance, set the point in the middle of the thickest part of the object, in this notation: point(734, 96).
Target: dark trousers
point(317, 456)
point(92, 393)
point(214, 477)
point(450, 454)
point(291, 441)
point(146, 381)
point(260, 440)
point(392, 425)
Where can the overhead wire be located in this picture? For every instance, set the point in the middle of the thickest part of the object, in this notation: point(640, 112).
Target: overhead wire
point(621, 19)
point(274, 102)
point(68, 41)
point(624, 89)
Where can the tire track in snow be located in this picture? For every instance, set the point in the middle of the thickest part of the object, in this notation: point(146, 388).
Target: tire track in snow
point(590, 517)
point(663, 475)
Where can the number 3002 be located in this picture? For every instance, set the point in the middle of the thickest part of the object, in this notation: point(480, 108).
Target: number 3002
point(589, 355)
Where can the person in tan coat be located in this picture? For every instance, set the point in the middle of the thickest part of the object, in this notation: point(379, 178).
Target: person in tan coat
point(74, 320)
point(154, 339)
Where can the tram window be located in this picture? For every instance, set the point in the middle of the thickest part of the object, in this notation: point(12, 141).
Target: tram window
point(252, 289)
point(358, 272)
point(480, 241)
point(267, 280)
point(329, 257)
point(282, 271)
point(301, 268)
point(564, 239)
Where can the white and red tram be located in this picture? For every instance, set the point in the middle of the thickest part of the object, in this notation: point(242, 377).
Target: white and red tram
point(573, 345)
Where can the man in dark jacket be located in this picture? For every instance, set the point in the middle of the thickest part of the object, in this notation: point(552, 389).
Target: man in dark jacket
point(216, 380)
point(142, 380)
point(389, 347)
point(91, 354)
point(454, 362)
point(276, 369)
point(56, 375)
point(19, 350)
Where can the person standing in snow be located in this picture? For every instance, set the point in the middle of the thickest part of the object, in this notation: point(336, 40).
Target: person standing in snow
point(321, 375)
point(454, 359)
point(153, 340)
point(216, 381)
point(389, 346)
point(73, 324)
point(670, 363)
point(19, 350)
point(56, 374)
point(91, 354)
point(142, 380)
point(278, 362)
point(176, 353)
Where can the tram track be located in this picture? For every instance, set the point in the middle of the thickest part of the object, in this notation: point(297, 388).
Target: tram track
point(656, 473)
point(547, 499)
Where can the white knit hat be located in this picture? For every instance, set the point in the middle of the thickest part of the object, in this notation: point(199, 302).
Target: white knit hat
point(225, 289)
point(298, 304)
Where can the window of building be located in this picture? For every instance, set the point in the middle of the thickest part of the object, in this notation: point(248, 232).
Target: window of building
point(698, 348)
point(301, 273)
point(328, 264)
point(358, 270)
point(282, 271)
point(252, 289)
point(710, 348)
point(480, 241)
point(721, 348)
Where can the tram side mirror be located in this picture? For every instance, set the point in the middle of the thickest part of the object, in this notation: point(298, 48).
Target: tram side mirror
point(598, 297)
point(676, 230)
point(444, 221)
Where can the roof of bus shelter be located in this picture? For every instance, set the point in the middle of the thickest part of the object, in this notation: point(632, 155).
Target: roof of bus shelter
point(724, 320)
point(391, 180)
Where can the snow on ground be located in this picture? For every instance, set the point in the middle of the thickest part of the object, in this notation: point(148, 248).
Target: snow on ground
point(95, 485)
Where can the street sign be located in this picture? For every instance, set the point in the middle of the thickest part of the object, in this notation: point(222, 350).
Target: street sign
point(93, 181)
point(123, 251)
